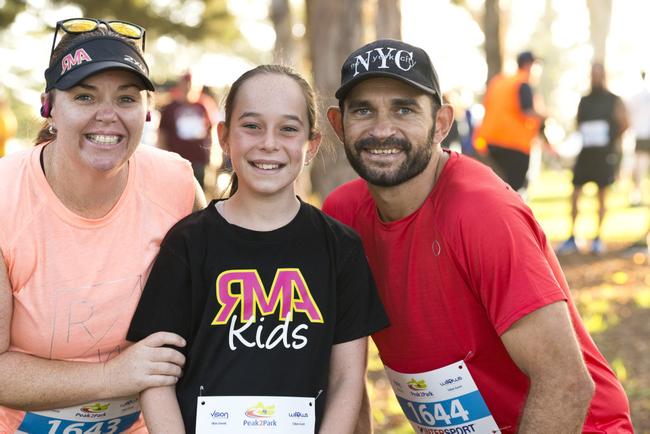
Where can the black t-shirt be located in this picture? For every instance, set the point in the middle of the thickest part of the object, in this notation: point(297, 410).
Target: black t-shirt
point(260, 310)
point(600, 104)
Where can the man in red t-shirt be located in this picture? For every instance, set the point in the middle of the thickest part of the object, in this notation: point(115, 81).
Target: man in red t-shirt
point(484, 336)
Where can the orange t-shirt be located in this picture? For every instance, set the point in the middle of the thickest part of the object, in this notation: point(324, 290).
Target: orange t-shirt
point(76, 281)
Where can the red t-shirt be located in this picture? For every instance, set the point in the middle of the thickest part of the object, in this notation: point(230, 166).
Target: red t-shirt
point(456, 274)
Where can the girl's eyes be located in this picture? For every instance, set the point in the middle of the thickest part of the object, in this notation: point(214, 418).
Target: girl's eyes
point(127, 99)
point(286, 129)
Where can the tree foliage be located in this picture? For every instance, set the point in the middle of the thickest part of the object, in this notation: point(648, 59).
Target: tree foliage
point(213, 19)
point(9, 11)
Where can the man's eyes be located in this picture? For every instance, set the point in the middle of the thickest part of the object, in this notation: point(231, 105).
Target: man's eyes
point(362, 111)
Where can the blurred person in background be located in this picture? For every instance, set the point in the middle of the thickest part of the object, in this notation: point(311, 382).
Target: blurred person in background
point(639, 109)
point(601, 119)
point(511, 123)
point(185, 128)
point(8, 124)
point(82, 218)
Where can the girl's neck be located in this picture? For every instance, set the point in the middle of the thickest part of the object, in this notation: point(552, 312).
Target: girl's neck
point(259, 212)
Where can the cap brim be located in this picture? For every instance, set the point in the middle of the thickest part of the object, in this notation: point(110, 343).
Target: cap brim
point(76, 76)
point(343, 90)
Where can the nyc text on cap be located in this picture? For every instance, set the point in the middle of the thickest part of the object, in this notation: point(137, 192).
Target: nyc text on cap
point(390, 58)
point(94, 55)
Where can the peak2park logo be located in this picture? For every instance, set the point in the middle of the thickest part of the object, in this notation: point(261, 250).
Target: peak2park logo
point(95, 408)
point(261, 415)
point(417, 385)
point(418, 388)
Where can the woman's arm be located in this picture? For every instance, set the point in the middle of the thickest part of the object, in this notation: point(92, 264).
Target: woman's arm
point(346, 383)
point(161, 411)
point(33, 383)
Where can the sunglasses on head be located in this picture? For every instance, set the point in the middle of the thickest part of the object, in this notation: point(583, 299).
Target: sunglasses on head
point(84, 25)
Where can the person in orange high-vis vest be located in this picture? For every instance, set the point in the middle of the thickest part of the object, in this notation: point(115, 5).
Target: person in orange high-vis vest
point(510, 123)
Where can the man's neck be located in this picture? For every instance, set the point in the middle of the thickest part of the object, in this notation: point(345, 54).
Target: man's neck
point(395, 203)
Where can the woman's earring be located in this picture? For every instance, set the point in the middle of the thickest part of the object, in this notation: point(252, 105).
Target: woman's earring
point(51, 129)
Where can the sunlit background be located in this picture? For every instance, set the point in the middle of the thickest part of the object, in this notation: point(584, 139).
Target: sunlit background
point(612, 292)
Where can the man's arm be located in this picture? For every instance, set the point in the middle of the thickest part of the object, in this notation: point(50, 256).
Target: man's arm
point(527, 106)
point(621, 117)
point(544, 346)
point(346, 380)
point(161, 411)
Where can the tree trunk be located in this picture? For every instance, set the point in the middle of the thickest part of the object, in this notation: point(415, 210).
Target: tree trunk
point(285, 47)
point(388, 19)
point(600, 12)
point(334, 31)
point(492, 30)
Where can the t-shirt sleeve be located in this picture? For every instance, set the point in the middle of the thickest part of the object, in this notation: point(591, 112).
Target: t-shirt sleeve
point(166, 302)
point(525, 97)
point(508, 265)
point(359, 311)
point(342, 203)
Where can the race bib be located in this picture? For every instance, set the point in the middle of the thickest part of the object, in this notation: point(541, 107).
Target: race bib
point(442, 401)
point(102, 417)
point(595, 134)
point(190, 126)
point(255, 414)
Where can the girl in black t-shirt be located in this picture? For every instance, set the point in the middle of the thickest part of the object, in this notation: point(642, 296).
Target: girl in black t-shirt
point(274, 298)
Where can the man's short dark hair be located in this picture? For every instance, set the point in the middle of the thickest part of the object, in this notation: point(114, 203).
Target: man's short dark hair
point(525, 58)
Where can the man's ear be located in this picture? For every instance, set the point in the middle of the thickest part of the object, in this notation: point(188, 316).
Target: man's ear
point(222, 133)
point(444, 120)
point(335, 117)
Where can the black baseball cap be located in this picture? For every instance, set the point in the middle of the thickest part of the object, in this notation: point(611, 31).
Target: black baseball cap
point(525, 57)
point(390, 58)
point(93, 55)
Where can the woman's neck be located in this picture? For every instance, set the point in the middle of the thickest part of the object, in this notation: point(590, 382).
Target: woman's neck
point(85, 192)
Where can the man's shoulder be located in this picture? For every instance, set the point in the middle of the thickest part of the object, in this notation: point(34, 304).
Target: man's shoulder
point(471, 190)
point(345, 201)
point(341, 232)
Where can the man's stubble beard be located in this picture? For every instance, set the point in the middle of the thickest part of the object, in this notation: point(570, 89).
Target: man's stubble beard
point(417, 159)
